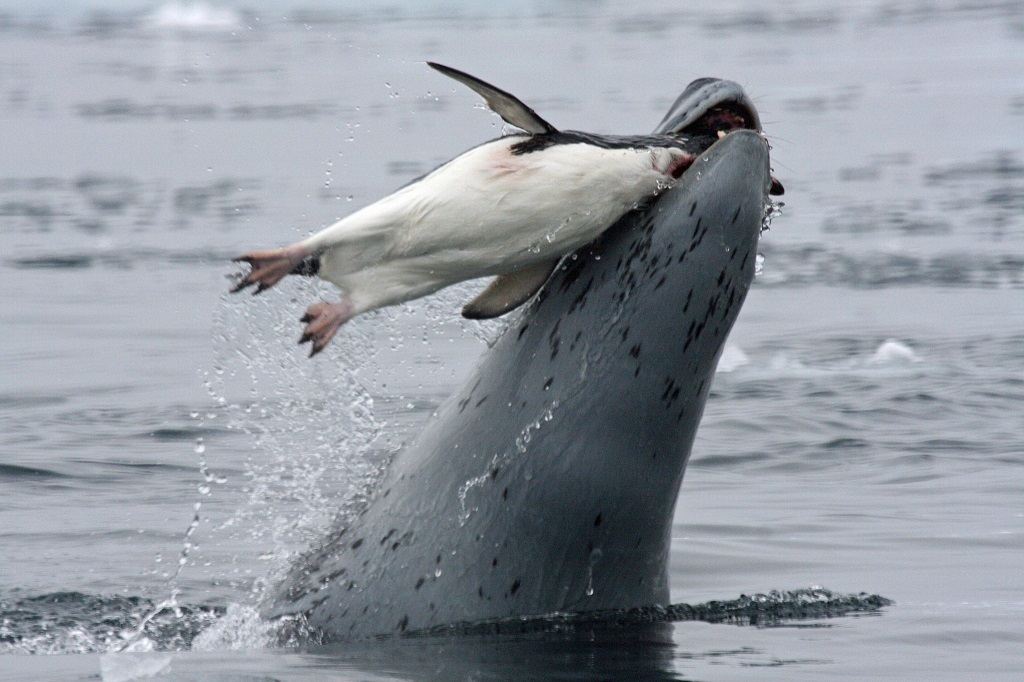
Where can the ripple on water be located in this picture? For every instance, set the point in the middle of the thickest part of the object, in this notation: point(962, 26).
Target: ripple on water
point(76, 622)
point(15, 472)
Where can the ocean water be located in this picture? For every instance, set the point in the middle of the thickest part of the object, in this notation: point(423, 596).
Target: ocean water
point(165, 447)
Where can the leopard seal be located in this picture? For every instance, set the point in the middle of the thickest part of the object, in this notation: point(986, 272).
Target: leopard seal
point(547, 482)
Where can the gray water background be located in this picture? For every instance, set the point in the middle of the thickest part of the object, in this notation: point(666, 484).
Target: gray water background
point(864, 431)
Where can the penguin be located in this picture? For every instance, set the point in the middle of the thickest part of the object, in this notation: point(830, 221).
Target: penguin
point(510, 208)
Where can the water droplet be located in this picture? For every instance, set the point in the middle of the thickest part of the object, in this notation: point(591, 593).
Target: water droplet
point(772, 210)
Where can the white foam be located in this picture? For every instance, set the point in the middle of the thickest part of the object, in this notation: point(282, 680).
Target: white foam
point(194, 16)
point(240, 628)
point(732, 359)
point(782, 363)
point(893, 352)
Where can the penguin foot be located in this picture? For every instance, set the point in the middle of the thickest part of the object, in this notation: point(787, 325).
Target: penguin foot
point(322, 321)
point(270, 267)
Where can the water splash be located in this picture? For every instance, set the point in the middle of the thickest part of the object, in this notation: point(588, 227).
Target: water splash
point(314, 426)
point(240, 627)
point(595, 556)
point(772, 210)
point(74, 622)
point(552, 235)
point(522, 443)
point(136, 638)
point(318, 447)
point(464, 511)
point(525, 436)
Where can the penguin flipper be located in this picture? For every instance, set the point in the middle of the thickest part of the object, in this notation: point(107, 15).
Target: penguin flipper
point(509, 291)
point(511, 110)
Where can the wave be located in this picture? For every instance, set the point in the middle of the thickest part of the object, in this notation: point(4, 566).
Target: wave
point(73, 622)
point(818, 264)
point(732, 359)
point(763, 610)
point(126, 109)
point(9, 471)
point(892, 352)
point(121, 259)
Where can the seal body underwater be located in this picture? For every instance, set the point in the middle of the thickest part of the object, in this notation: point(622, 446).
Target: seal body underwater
point(511, 207)
point(547, 483)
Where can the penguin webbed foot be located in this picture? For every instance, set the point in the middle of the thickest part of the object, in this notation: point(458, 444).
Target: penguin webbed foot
point(322, 321)
point(270, 267)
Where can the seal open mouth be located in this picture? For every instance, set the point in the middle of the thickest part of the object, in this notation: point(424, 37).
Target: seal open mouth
point(713, 108)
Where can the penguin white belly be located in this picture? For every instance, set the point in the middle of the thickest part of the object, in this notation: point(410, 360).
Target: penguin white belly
point(515, 208)
point(486, 212)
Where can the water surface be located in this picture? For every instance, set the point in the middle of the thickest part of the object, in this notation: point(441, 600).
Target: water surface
point(164, 443)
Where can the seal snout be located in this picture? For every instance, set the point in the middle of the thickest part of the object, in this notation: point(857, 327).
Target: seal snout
point(727, 110)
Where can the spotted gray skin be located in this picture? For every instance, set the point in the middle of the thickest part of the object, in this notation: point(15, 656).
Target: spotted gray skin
point(701, 95)
point(548, 481)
